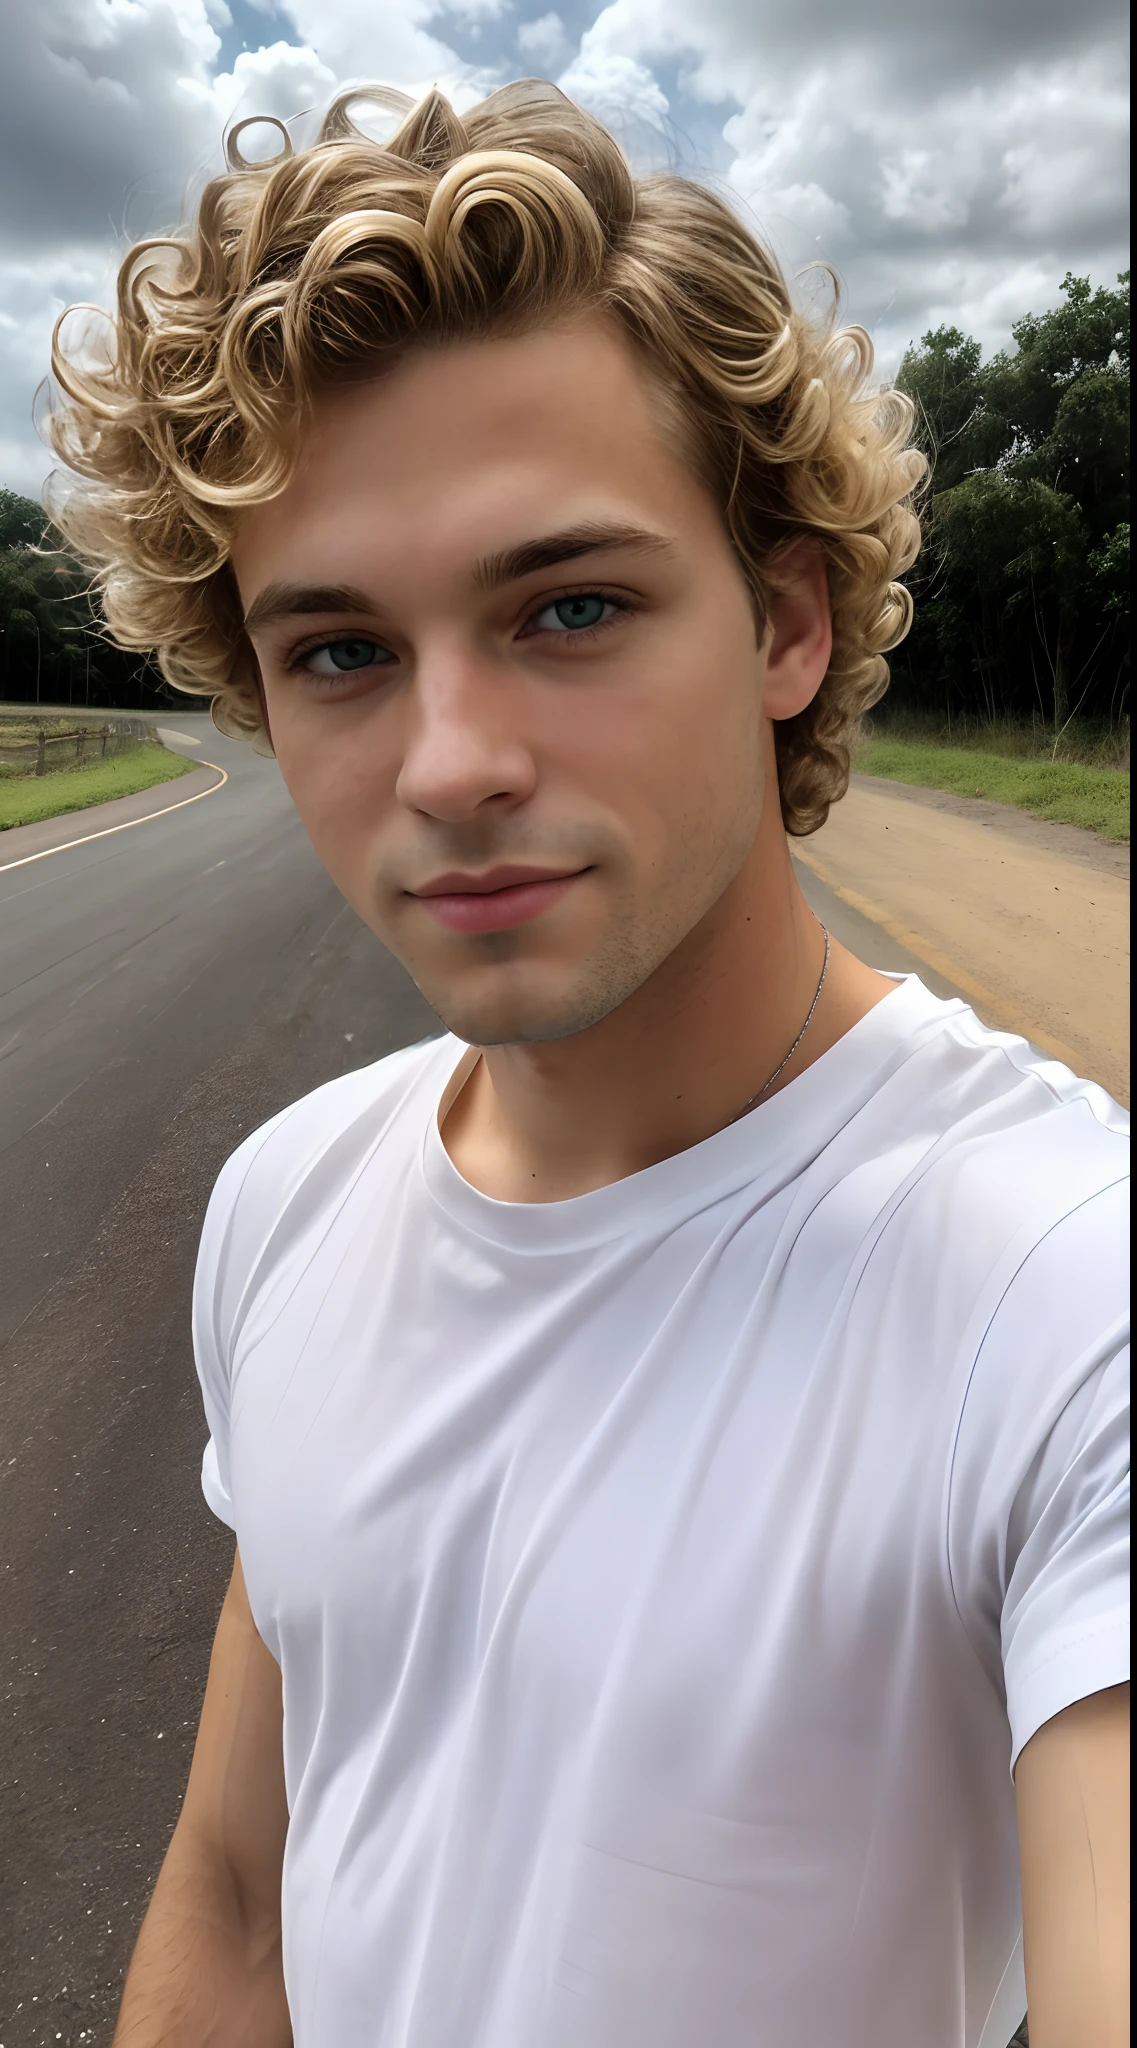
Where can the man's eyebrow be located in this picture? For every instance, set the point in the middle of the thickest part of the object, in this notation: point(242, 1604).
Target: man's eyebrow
point(554, 548)
point(296, 600)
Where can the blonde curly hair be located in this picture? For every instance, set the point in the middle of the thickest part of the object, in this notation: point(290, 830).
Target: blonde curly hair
point(333, 262)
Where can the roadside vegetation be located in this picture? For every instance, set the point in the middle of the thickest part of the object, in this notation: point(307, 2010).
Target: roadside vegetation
point(1080, 777)
point(53, 649)
point(1022, 586)
point(1014, 681)
point(1067, 791)
point(27, 799)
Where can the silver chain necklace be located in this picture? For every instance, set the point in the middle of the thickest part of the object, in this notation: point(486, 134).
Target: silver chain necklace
point(783, 1064)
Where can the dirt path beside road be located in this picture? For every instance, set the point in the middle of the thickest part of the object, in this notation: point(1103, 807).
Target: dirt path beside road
point(1029, 920)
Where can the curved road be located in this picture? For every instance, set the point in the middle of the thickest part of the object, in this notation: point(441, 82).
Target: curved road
point(164, 989)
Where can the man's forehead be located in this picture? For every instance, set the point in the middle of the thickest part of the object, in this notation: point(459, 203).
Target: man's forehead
point(579, 395)
point(490, 517)
point(467, 455)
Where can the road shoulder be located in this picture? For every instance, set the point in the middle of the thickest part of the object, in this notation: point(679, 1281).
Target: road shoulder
point(22, 842)
point(1028, 920)
point(1070, 842)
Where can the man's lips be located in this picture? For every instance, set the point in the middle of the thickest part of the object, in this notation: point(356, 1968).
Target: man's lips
point(494, 901)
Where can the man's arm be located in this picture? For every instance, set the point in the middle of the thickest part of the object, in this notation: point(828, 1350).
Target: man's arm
point(207, 1966)
point(1072, 1787)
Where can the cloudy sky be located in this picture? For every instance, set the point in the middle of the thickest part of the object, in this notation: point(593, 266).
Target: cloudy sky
point(951, 158)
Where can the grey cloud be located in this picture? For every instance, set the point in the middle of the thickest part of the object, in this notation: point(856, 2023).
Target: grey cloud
point(950, 161)
point(543, 41)
point(968, 206)
point(926, 45)
point(951, 158)
point(97, 134)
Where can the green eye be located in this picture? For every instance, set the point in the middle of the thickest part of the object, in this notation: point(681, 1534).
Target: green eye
point(575, 614)
point(344, 657)
point(348, 654)
point(579, 612)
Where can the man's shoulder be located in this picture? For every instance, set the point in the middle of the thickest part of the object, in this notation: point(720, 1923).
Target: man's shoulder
point(316, 1141)
point(992, 1266)
point(998, 1145)
point(1020, 1138)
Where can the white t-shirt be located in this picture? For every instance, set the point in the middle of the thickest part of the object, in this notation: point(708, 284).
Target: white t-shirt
point(664, 1581)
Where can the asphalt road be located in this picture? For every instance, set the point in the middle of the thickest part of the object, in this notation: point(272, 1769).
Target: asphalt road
point(164, 990)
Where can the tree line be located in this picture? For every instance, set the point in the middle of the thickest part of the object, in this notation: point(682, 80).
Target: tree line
point(52, 648)
point(1021, 589)
point(1022, 586)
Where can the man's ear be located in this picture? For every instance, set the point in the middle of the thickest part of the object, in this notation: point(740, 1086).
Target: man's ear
point(799, 631)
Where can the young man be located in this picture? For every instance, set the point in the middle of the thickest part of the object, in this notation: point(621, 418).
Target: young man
point(673, 1424)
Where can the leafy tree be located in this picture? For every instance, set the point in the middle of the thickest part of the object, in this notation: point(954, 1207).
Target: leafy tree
point(1109, 567)
point(1082, 334)
point(1022, 589)
point(1012, 555)
point(1086, 452)
point(943, 377)
point(52, 649)
point(22, 521)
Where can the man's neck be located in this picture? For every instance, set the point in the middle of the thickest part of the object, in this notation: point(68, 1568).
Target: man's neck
point(676, 1062)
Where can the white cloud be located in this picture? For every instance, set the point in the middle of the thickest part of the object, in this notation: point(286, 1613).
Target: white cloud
point(807, 211)
point(1065, 160)
point(33, 293)
point(617, 89)
point(915, 190)
point(390, 43)
point(942, 159)
point(93, 117)
point(285, 80)
point(478, 11)
point(544, 42)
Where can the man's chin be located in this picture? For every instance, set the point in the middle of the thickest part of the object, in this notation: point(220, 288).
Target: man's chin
point(524, 1015)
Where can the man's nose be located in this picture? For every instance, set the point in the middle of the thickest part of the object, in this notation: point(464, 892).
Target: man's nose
point(465, 744)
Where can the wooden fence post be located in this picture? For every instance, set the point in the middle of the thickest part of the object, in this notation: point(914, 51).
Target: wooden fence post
point(41, 751)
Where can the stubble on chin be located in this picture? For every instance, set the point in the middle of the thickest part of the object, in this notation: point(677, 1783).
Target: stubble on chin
point(515, 1003)
point(512, 1000)
point(499, 990)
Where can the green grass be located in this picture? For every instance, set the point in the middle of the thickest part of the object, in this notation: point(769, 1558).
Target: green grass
point(26, 799)
point(15, 727)
point(1069, 792)
point(1091, 741)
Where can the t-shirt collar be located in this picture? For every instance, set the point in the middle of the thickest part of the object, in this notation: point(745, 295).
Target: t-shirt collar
point(771, 1144)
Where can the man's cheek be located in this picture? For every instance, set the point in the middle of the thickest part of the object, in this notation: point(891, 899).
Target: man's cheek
point(332, 795)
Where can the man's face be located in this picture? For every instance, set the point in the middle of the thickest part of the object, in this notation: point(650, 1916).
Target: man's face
point(512, 674)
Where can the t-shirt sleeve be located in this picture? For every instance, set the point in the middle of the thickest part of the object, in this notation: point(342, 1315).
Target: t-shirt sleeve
point(1039, 1501)
point(222, 1268)
point(292, 1166)
point(210, 1342)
